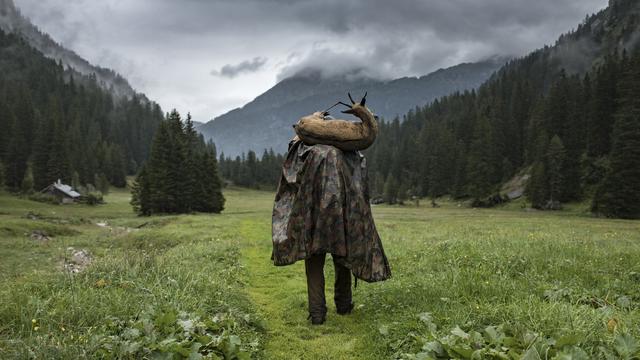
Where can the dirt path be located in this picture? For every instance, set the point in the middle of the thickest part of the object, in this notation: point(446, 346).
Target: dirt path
point(279, 294)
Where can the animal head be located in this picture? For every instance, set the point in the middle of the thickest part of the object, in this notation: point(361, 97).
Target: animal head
point(358, 109)
point(318, 115)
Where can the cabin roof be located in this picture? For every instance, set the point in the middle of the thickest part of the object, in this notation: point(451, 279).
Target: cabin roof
point(65, 189)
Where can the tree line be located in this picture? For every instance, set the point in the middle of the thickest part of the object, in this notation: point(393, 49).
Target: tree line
point(250, 171)
point(181, 175)
point(58, 124)
point(578, 137)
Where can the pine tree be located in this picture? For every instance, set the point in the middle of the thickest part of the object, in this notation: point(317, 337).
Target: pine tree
point(177, 196)
point(157, 172)
point(2, 179)
point(214, 200)
point(537, 189)
point(403, 192)
point(58, 165)
point(480, 165)
point(102, 183)
point(16, 156)
point(193, 190)
point(619, 194)
point(75, 180)
point(390, 193)
point(26, 186)
point(140, 193)
point(555, 161)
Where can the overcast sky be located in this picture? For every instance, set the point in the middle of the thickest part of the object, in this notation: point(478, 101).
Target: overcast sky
point(210, 56)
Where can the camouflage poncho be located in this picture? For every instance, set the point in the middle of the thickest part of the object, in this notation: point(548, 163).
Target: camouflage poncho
point(322, 206)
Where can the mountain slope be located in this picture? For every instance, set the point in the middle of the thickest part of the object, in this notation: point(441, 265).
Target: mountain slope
point(11, 20)
point(266, 121)
point(550, 115)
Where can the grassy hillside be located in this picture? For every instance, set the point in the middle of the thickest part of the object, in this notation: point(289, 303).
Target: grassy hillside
point(545, 277)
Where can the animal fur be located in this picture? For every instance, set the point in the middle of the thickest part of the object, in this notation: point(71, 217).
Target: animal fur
point(343, 134)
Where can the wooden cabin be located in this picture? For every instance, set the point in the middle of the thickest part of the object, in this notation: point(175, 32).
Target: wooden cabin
point(65, 193)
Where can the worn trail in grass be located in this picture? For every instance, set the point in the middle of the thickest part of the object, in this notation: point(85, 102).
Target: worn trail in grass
point(279, 295)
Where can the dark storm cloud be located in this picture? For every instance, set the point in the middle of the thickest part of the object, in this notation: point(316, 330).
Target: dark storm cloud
point(378, 38)
point(248, 66)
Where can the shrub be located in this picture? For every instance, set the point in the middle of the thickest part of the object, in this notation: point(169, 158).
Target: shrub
point(93, 198)
point(44, 198)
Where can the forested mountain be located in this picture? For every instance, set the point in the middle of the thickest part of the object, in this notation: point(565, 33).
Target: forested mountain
point(551, 112)
point(58, 124)
point(567, 117)
point(265, 122)
point(12, 21)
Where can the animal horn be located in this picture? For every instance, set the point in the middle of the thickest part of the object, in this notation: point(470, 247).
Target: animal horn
point(341, 103)
point(350, 98)
point(364, 99)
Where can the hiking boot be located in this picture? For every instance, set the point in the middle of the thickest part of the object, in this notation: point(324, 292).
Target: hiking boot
point(317, 320)
point(345, 310)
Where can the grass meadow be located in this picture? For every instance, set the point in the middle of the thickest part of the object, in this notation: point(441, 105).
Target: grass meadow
point(467, 283)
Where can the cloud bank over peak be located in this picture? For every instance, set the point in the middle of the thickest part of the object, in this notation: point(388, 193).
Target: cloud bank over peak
point(168, 48)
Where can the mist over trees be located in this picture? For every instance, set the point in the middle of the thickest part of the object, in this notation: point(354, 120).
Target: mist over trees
point(57, 124)
point(181, 175)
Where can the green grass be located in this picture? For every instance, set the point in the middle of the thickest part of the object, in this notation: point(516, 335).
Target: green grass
point(552, 273)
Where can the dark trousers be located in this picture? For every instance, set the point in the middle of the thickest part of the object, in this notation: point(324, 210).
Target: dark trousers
point(314, 267)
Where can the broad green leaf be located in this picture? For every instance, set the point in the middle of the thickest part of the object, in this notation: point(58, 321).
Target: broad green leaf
point(465, 352)
point(531, 354)
point(569, 339)
point(434, 347)
point(460, 333)
point(493, 336)
point(573, 353)
point(626, 346)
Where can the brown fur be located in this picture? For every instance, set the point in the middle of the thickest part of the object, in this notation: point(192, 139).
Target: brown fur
point(343, 134)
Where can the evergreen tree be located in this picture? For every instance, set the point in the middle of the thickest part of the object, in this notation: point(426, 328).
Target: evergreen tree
point(16, 156)
point(480, 169)
point(181, 174)
point(537, 190)
point(140, 193)
point(58, 166)
point(102, 183)
point(193, 190)
point(390, 194)
point(619, 194)
point(157, 172)
point(26, 186)
point(213, 198)
point(555, 161)
point(42, 146)
point(2, 178)
point(75, 180)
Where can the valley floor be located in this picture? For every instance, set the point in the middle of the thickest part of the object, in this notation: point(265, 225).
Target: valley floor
point(563, 276)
